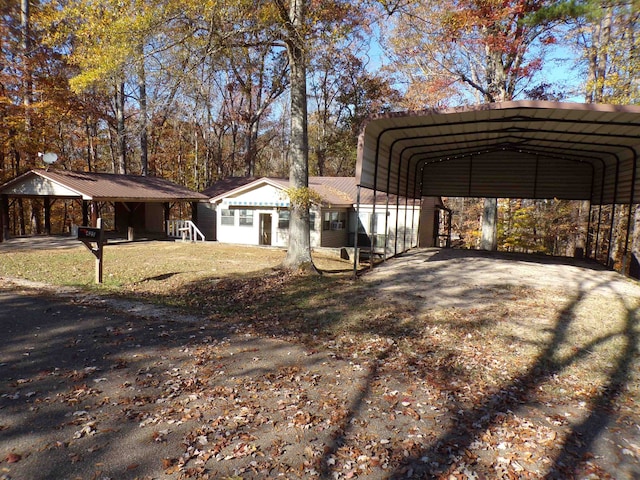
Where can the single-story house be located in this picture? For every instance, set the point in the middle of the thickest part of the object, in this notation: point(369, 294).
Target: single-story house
point(255, 211)
point(140, 204)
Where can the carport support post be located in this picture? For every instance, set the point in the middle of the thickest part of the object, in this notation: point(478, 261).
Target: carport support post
point(590, 232)
point(4, 217)
point(386, 227)
point(98, 252)
point(167, 216)
point(609, 263)
point(85, 212)
point(356, 255)
point(47, 215)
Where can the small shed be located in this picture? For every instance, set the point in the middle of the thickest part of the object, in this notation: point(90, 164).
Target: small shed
point(140, 204)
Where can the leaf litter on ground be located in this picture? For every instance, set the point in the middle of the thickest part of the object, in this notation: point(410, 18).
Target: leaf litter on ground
point(308, 383)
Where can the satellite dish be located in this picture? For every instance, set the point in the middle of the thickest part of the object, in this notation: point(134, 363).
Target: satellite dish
point(49, 158)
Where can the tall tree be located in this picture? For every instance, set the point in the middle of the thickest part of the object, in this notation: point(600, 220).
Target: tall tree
point(295, 36)
point(343, 95)
point(260, 73)
point(489, 49)
point(108, 41)
point(607, 34)
point(299, 34)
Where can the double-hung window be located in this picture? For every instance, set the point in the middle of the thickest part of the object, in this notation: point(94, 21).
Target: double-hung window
point(246, 218)
point(334, 221)
point(283, 219)
point(227, 217)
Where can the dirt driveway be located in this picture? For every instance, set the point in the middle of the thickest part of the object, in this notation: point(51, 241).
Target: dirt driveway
point(471, 374)
point(433, 278)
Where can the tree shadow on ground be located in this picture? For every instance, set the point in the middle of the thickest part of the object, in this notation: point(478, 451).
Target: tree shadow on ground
point(321, 312)
point(78, 382)
point(469, 424)
point(280, 310)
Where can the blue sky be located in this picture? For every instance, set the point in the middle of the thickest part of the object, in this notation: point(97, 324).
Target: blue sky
point(559, 68)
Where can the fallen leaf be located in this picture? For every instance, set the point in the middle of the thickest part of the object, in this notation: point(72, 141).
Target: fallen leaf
point(13, 458)
point(75, 457)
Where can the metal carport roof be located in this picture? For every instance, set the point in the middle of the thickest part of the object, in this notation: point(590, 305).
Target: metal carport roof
point(525, 149)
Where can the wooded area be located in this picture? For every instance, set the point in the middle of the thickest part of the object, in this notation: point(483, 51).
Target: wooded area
point(199, 91)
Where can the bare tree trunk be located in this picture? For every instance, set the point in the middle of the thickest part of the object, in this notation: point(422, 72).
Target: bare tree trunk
point(603, 57)
point(142, 89)
point(299, 251)
point(251, 148)
point(27, 79)
point(597, 57)
point(121, 163)
point(489, 240)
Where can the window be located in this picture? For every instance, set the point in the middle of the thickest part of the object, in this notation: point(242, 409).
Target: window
point(334, 221)
point(246, 218)
point(227, 217)
point(283, 219)
point(285, 215)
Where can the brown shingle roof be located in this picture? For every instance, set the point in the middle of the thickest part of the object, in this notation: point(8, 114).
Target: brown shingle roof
point(112, 187)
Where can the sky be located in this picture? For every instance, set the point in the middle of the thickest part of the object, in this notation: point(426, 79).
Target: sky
point(559, 68)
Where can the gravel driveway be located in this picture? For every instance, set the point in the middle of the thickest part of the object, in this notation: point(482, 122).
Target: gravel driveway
point(460, 278)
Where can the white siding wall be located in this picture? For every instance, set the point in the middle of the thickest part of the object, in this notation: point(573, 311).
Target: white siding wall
point(271, 200)
point(263, 199)
point(249, 234)
point(407, 231)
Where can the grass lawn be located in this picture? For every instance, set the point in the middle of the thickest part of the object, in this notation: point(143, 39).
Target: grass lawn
point(527, 383)
point(150, 267)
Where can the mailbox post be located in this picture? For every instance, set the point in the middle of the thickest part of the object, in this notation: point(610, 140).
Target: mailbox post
point(90, 236)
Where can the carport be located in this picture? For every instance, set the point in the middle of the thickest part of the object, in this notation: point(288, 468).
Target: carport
point(140, 203)
point(525, 149)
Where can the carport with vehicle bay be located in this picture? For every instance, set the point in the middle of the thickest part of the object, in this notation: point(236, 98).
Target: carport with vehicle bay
point(526, 149)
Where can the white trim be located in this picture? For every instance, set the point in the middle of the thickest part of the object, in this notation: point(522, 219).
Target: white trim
point(248, 186)
point(244, 203)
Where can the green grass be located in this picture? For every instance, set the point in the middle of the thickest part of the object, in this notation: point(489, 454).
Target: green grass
point(147, 267)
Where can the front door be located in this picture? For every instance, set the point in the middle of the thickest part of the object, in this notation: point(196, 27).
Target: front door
point(265, 229)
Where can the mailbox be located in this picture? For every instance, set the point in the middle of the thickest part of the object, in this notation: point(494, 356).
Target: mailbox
point(89, 236)
point(89, 233)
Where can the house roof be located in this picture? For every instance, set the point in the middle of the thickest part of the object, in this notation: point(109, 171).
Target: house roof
point(334, 191)
point(526, 149)
point(226, 185)
point(98, 187)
